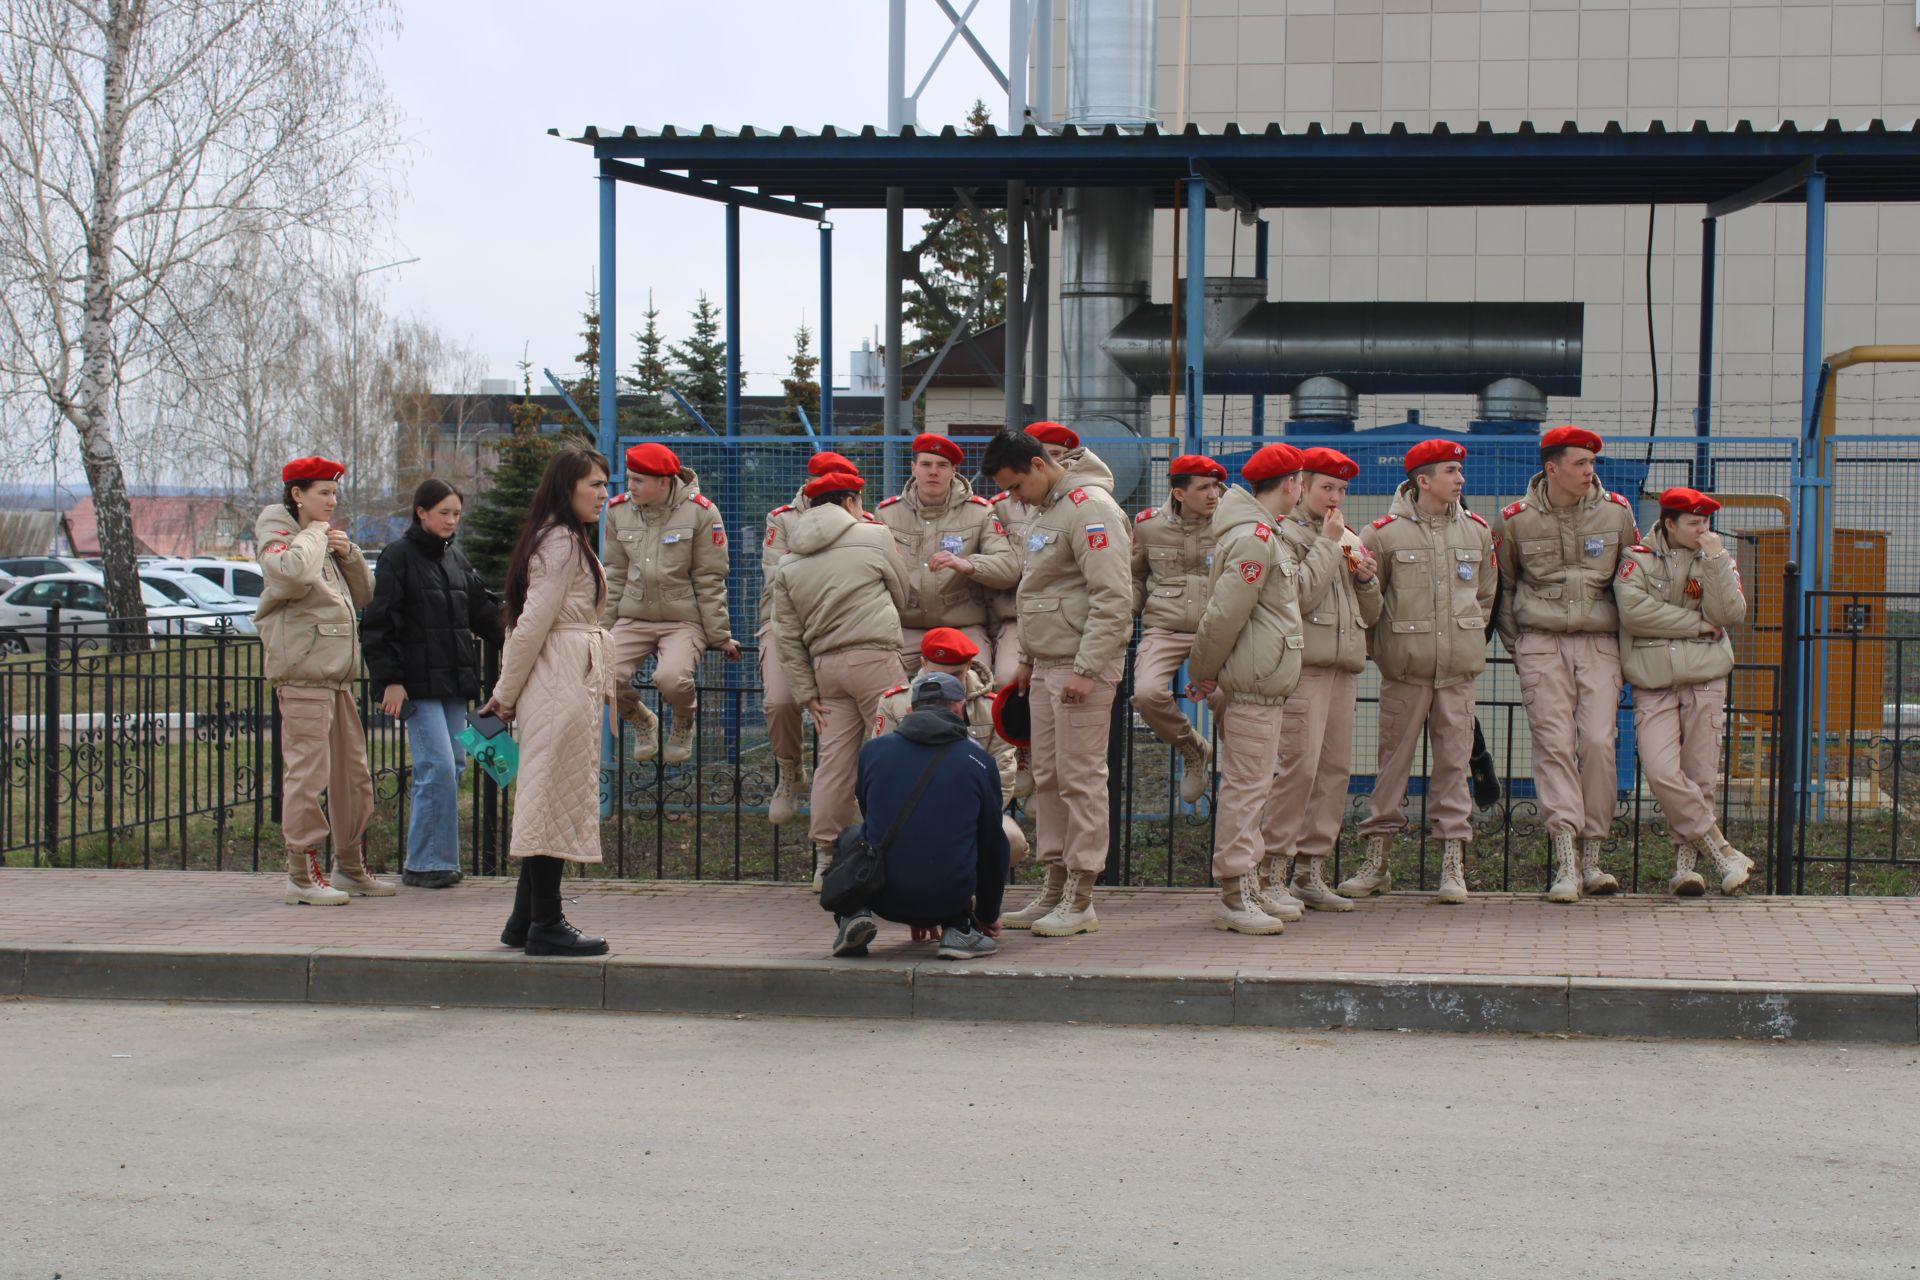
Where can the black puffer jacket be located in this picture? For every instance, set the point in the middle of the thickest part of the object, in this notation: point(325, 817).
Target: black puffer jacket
point(418, 631)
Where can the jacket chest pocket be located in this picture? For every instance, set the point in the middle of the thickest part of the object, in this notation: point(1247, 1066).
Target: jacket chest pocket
point(1464, 568)
point(1540, 555)
point(673, 561)
point(1410, 586)
point(1043, 546)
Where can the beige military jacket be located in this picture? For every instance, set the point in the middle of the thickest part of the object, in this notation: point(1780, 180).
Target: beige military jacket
point(840, 587)
point(1172, 562)
point(1249, 637)
point(964, 524)
point(1076, 597)
point(667, 562)
point(1557, 563)
point(308, 615)
point(780, 522)
point(1335, 610)
point(1664, 593)
point(1437, 581)
point(979, 683)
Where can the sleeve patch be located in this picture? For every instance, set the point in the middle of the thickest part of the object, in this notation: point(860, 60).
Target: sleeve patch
point(1263, 532)
point(1514, 509)
point(1096, 536)
point(1626, 567)
point(1381, 523)
point(719, 535)
point(770, 533)
point(1250, 571)
point(702, 500)
point(273, 548)
point(1144, 515)
point(1077, 496)
point(998, 527)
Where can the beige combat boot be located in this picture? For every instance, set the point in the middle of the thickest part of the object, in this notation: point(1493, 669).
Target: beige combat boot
point(822, 859)
point(1238, 912)
point(680, 738)
point(1566, 871)
point(1022, 774)
point(789, 778)
point(1073, 913)
point(1594, 881)
point(1043, 905)
point(1196, 755)
point(350, 873)
point(307, 884)
point(645, 725)
point(1733, 866)
point(1686, 882)
point(1373, 876)
point(1453, 872)
point(1270, 890)
point(1310, 886)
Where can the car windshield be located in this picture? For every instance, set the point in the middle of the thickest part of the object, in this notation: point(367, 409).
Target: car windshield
point(152, 598)
point(209, 593)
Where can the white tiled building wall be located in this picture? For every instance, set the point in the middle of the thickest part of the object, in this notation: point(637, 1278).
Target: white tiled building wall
point(1423, 62)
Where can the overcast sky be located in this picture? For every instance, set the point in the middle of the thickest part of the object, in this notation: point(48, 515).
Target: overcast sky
point(504, 218)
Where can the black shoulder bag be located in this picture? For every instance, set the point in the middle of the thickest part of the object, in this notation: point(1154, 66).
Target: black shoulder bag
point(859, 870)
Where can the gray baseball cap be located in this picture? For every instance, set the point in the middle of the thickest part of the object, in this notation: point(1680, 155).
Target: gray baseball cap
point(937, 686)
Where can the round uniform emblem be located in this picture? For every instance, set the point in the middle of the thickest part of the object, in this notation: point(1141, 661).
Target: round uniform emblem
point(1595, 546)
point(1035, 541)
point(1465, 570)
point(951, 543)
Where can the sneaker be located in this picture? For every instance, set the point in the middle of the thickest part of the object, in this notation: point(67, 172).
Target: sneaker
point(856, 931)
point(965, 944)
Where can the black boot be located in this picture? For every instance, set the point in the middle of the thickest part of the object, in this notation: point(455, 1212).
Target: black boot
point(515, 934)
point(550, 934)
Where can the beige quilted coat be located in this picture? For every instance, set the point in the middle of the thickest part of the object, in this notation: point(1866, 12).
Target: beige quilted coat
point(554, 674)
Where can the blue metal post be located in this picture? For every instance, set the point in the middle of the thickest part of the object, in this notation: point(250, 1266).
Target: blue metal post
point(1260, 230)
point(733, 319)
point(1809, 509)
point(609, 329)
point(826, 328)
point(1195, 303)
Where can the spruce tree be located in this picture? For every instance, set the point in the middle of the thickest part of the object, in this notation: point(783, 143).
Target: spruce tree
point(498, 512)
point(801, 386)
point(655, 414)
point(702, 359)
point(958, 263)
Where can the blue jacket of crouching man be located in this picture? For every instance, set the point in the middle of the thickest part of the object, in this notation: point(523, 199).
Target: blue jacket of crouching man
point(952, 853)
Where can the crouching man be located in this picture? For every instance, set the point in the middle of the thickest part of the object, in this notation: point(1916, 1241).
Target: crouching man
point(937, 824)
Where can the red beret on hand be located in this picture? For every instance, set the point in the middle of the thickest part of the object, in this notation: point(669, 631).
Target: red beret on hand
point(1196, 464)
point(652, 459)
point(948, 647)
point(827, 460)
point(1690, 502)
point(1428, 452)
point(1013, 715)
point(1272, 460)
point(1578, 437)
point(833, 482)
point(315, 468)
point(1053, 433)
point(927, 442)
point(1329, 462)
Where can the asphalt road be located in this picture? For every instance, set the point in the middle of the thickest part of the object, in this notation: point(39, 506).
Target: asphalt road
point(206, 1141)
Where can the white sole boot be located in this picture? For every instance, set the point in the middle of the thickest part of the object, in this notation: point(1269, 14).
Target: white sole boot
point(307, 884)
point(646, 728)
point(1686, 882)
point(1042, 906)
point(680, 739)
point(1566, 870)
point(1735, 867)
point(1196, 773)
point(1311, 888)
point(788, 782)
point(1373, 876)
point(1074, 912)
point(1237, 912)
point(1270, 891)
point(1594, 881)
point(1453, 873)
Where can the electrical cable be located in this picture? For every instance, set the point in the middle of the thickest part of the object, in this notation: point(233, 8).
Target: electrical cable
point(1653, 351)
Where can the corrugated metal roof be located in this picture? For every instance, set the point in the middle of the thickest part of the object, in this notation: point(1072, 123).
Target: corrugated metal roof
point(852, 168)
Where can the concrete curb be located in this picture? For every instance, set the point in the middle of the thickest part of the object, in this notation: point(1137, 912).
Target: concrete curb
point(976, 992)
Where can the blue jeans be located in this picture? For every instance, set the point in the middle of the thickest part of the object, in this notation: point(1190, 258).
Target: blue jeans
point(433, 828)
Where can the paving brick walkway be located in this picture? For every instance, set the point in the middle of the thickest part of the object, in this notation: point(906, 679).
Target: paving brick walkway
point(1758, 939)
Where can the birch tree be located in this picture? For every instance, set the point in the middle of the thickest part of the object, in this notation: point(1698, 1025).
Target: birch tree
point(139, 139)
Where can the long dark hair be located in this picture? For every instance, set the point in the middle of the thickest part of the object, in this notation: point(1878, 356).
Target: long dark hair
point(553, 507)
point(432, 492)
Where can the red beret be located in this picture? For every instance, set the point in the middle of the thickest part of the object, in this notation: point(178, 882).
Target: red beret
point(1689, 502)
point(1272, 460)
point(1053, 433)
point(948, 647)
point(827, 460)
point(1329, 462)
point(1578, 437)
point(315, 468)
point(927, 442)
point(1428, 452)
point(1013, 715)
point(1196, 464)
point(652, 459)
point(833, 482)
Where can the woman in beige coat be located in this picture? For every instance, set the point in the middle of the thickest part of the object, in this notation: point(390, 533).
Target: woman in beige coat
point(553, 682)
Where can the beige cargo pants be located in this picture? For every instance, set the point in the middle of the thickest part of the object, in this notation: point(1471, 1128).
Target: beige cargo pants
point(322, 750)
point(1680, 733)
point(1447, 715)
point(679, 645)
point(1309, 796)
point(1249, 751)
point(852, 682)
point(1570, 684)
point(1070, 769)
point(1159, 655)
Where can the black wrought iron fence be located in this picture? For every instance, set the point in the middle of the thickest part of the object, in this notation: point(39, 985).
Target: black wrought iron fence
point(164, 752)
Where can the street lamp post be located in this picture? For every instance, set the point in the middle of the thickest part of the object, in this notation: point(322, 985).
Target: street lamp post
point(353, 384)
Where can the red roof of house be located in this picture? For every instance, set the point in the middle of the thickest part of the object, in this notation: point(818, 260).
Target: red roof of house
point(179, 526)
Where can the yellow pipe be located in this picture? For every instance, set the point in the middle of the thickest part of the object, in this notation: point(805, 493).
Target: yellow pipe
point(1888, 353)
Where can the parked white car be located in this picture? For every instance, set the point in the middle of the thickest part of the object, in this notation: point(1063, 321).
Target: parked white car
point(237, 577)
point(82, 601)
point(39, 566)
point(191, 591)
